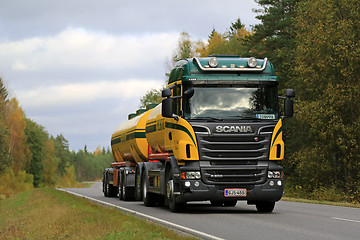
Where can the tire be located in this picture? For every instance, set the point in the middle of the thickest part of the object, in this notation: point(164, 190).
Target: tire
point(138, 188)
point(106, 190)
point(112, 190)
point(230, 203)
point(174, 206)
point(121, 196)
point(265, 207)
point(217, 203)
point(148, 198)
point(128, 193)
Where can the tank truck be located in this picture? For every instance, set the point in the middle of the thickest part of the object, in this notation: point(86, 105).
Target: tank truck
point(217, 136)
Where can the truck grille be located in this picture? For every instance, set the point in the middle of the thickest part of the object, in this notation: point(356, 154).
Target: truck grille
point(233, 148)
point(236, 175)
point(234, 159)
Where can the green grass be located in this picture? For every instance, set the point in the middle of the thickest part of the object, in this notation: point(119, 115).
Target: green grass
point(46, 213)
point(302, 200)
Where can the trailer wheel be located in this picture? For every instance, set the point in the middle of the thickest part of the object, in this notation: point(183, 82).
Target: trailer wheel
point(148, 198)
point(173, 205)
point(121, 196)
point(265, 207)
point(138, 187)
point(128, 193)
point(112, 190)
point(106, 187)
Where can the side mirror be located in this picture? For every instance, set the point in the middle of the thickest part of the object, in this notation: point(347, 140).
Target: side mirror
point(290, 93)
point(166, 93)
point(289, 107)
point(166, 107)
point(288, 103)
point(189, 93)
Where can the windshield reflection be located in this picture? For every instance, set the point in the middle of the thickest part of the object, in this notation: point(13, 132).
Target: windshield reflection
point(258, 102)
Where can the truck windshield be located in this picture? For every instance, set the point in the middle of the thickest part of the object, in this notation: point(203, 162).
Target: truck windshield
point(243, 103)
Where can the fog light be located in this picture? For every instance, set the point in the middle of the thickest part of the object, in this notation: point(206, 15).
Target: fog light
point(271, 183)
point(187, 184)
point(196, 184)
point(279, 183)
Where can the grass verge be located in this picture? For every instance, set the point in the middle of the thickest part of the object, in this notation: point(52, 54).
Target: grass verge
point(46, 213)
point(302, 200)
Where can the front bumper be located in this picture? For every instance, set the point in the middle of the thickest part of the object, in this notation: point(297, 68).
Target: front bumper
point(271, 190)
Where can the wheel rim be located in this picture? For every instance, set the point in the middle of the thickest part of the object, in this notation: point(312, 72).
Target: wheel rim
point(170, 188)
point(144, 189)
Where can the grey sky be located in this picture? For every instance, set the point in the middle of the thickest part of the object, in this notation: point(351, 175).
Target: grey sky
point(79, 67)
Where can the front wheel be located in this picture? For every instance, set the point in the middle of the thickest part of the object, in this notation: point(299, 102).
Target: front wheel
point(174, 206)
point(265, 207)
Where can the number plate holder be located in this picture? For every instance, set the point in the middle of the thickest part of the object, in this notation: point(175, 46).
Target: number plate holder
point(235, 192)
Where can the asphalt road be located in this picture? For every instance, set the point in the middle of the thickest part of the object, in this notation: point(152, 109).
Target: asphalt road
point(289, 220)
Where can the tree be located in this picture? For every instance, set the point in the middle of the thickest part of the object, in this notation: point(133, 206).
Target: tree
point(36, 140)
point(185, 48)
point(274, 37)
point(19, 153)
point(327, 125)
point(151, 96)
point(61, 152)
point(231, 42)
point(4, 149)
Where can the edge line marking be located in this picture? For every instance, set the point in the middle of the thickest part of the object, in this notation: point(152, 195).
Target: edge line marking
point(148, 217)
point(344, 219)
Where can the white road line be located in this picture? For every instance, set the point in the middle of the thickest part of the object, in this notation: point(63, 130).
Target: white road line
point(344, 219)
point(151, 218)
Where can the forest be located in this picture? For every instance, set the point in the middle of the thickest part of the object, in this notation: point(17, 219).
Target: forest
point(314, 46)
point(30, 157)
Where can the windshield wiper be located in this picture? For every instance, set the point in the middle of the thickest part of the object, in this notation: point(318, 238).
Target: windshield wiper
point(208, 118)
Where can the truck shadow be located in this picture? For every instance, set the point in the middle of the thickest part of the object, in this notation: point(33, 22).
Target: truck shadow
point(207, 208)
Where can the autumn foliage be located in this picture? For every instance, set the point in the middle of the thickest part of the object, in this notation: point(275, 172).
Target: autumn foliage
point(30, 157)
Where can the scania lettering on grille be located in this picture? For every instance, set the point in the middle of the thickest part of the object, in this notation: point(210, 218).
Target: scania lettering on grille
point(233, 129)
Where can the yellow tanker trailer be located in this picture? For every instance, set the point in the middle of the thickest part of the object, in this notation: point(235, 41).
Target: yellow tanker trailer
point(216, 136)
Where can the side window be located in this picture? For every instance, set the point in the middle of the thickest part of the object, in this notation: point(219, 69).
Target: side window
point(177, 100)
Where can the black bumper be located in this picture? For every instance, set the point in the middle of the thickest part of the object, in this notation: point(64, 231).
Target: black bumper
point(271, 190)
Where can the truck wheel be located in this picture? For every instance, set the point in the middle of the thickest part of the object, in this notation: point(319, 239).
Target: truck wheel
point(128, 193)
point(112, 190)
point(230, 203)
point(148, 198)
point(216, 203)
point(138, 189)
point(121, 196)
point(106, 189)
point(173, 205)
point(265, 207)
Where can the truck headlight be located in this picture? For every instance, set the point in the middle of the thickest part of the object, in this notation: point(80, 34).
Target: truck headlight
point(275, 174)
point(191, 175)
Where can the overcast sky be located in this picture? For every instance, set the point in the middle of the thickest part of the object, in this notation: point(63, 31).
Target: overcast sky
point(79, 67)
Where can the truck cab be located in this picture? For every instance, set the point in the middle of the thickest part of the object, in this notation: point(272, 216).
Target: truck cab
point(232, 105)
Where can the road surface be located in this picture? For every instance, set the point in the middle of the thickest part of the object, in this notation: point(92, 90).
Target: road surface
point(289, 220)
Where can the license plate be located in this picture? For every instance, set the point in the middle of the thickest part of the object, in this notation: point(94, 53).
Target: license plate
point(235, 192)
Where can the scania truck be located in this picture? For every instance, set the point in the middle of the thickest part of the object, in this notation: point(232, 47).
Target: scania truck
point(217, 136)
